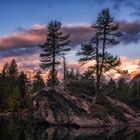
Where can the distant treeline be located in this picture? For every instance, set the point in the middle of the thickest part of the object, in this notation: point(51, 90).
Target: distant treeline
point(16, 88)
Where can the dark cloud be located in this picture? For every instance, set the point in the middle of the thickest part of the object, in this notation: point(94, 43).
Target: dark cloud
point(19, 52)
point(22, 39)
point(26, 41)
point(28, 66)
point(131, 31)
point(78, 34)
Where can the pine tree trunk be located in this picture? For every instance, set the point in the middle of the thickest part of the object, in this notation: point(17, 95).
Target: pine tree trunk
point(97, 69)
point(53, 66)
point(103, 54)
point(97, 92)
point(65, 79)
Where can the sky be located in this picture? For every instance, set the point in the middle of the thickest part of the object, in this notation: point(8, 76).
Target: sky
point(23, 27)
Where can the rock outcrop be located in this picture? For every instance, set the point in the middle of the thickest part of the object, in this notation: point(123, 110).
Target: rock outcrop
point(57, 107)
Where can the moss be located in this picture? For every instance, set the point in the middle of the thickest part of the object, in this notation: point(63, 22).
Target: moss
point(87, 87)
point(111, 109)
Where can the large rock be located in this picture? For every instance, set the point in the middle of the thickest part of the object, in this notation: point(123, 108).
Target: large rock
point(57, 107)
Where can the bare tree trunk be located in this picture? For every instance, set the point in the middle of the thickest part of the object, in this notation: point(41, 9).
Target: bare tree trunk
point(97, 69)
point(103, 54)
point(65, 68)
point(97, 92)
point(53, 66)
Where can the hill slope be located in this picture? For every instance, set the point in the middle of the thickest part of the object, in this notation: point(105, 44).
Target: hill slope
point(57, 107)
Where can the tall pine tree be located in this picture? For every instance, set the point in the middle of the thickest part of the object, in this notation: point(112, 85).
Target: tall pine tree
point(38, 82)
point(106, 34)
point(53, 48)
point(22, 83)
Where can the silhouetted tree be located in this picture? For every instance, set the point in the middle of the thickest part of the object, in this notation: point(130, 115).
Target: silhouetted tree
point(109, 36)
point(77, 75)
point(12, 74)
point(13, 70)
point(53, 48)
point(22, 81)
point(106, 34)
point(65, 72)
point(51, 79)
point(4, 86)
point(70, 74)
point(65, 67)
point(38, 82)
point(9, 86)
point(111, 88)
point(123, 90)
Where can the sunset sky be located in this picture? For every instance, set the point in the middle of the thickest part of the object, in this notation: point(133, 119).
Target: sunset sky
point(23, 26)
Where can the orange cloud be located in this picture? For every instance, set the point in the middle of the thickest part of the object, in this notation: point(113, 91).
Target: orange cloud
point(131, 64)
point(30, 64)
point(25, 41)
point(23, 38)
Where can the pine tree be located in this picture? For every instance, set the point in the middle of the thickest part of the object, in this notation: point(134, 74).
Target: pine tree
point(22, 83)
point(77, 75)
point(9, 86)
point(106, 34)
point(88, 74)
point(13, 75)
point(13, 98)
point(70, 74)
point(4, 86)
point(112, 88)
point(53, 48)
point(65, 73)
point(5, 70)
point(123, 90)
point(51, 80)
point(13, 70)
point(38, 82)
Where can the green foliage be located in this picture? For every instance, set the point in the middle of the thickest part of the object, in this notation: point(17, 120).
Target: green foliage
point(22, 80)
point(8, 82)
point(51, 80)
point(110, 88)
point(12, 87)
point(54, 48)
point(87, 52)
point(38, 82)
point(135, 94)
point(14, 103)
point(70, 74)
point(106, 35)
point(82, 86)
point(22, 85)
point(123, 90)
point(79, 84)
point(12, 70)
